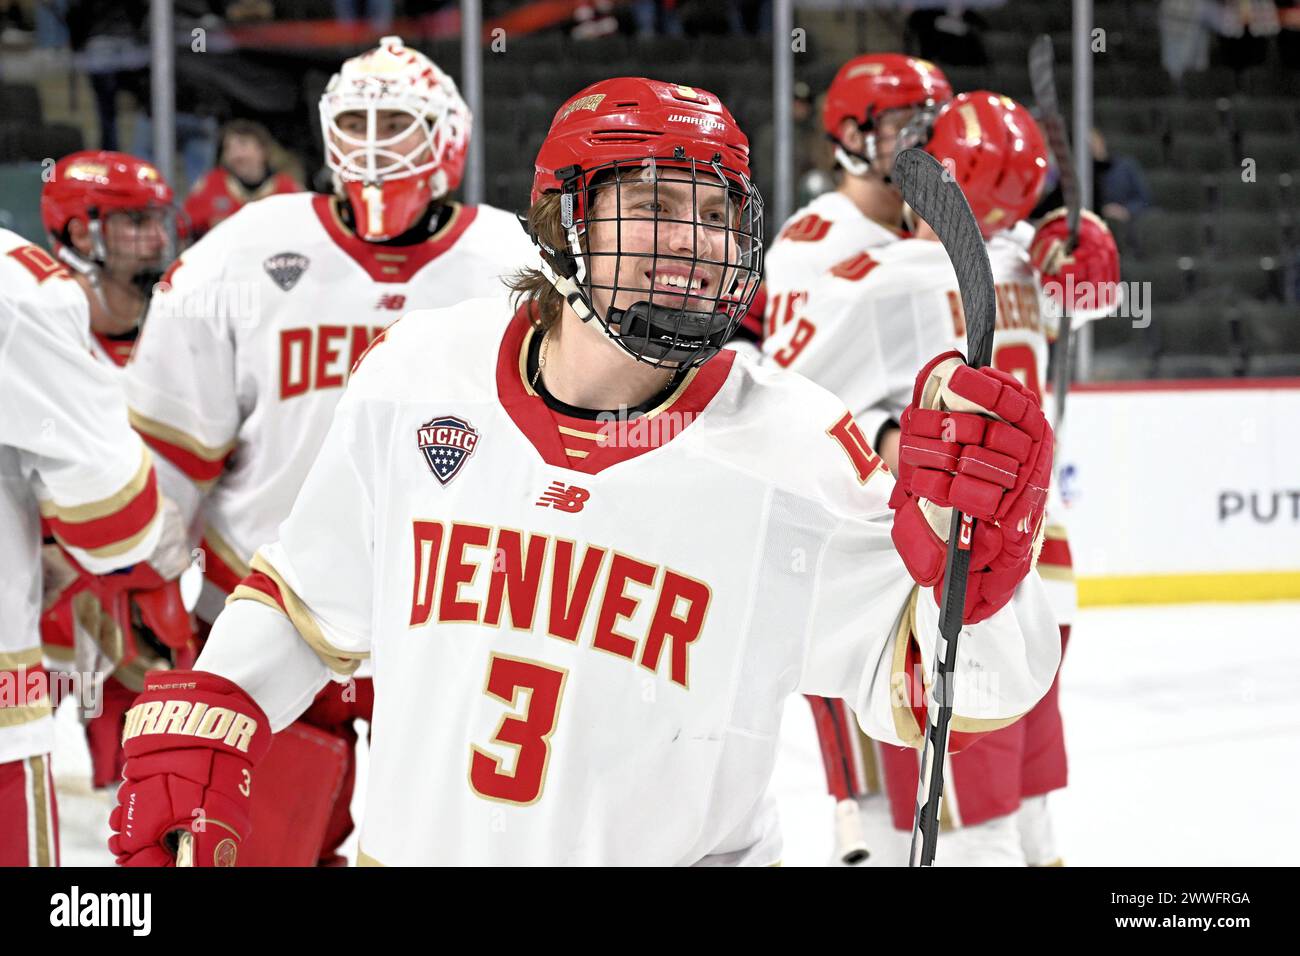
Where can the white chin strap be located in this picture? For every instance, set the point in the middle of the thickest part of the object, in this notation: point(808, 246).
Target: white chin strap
point(83, 266)
point(571, 287)
point(851, 164)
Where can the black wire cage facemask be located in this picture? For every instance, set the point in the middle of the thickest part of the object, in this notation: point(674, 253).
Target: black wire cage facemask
point(666, 256)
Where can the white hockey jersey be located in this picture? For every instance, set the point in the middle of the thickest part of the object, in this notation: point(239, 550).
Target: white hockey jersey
point(584, 660)
point(236, 375)
point(68, 456)
point(867, 327)
point(826, 231)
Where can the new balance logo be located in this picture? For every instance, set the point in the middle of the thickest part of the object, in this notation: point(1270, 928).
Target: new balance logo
point(392, 302)
point(564, 497)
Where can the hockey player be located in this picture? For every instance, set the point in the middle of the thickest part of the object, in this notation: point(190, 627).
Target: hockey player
point(110, 219)
point(859, 331)
point(248, 348)
point(68, 457)
point(877, 104)
point(589, 552)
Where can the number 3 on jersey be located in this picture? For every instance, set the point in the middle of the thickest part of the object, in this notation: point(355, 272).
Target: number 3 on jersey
point(527, 729)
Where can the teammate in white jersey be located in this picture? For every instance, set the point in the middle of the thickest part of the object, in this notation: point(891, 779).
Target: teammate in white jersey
point(583, 634)
point(875, 103)
point(859, 332)
point(110, 219)
point(68, 459)
point(248, 349)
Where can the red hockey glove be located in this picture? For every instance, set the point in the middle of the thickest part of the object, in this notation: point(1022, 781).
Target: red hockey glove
point(191, 740)
point(975, 440)
point(1087, 280)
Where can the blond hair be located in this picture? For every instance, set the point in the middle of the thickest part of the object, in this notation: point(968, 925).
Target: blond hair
point(530, 286)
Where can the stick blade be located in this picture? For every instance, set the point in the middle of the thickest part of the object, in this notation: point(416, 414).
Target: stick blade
point(930, 190)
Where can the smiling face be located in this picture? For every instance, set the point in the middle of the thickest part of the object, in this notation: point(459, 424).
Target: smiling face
point(664, 240)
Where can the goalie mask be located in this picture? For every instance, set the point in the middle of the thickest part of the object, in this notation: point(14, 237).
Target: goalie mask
point(662, 225)
point(886, 95)
point(129, 211)
point(396, 132)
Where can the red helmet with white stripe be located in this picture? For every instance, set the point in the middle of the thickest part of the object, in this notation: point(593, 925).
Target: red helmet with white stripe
point(869, 86)
point(654, 181)
point(406, 141)
point(997, 154)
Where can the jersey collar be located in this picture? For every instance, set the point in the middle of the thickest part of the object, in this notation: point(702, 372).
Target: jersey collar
point(396, 264)
point(621, 440)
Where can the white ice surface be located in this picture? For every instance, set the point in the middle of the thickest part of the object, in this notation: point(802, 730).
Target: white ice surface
point(1183, 732)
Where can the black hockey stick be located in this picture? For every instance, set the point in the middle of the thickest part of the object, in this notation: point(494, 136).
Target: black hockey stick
point(933, 193)
point(1043, 80)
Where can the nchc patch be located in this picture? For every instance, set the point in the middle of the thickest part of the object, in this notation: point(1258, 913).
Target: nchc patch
point(446, 443)
point(286, 268)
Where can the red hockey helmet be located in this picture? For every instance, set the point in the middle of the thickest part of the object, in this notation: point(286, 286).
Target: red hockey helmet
point(873, 84)
point(683, 149)
point(995, 150)
point(92, 185)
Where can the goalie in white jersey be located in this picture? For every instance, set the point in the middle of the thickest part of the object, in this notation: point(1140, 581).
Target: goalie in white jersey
point(68, 460)
point(589, 552)
point(860, 330)
point(248, 346)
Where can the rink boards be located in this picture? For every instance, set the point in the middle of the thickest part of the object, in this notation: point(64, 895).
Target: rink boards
point(1184, 490)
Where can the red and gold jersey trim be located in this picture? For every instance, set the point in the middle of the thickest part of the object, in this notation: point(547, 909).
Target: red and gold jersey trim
point(201, 463)
point(907, 694)
point(111, 525)
point(392, 263)
point(1055, 555)
point(223, 566)
point(28, 699)
point(567, 442)
point(265, 586)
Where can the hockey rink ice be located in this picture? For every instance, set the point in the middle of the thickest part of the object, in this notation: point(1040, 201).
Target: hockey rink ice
point(1183, 730)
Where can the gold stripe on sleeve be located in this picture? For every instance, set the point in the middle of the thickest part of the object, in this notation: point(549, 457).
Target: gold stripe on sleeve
point(337, 660)
point(174, 436)
point(92, 510)
point(12, 660)
point(25, 714)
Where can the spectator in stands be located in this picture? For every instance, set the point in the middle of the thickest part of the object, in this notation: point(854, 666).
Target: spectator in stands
point(244, 173)
point(1119, 188)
